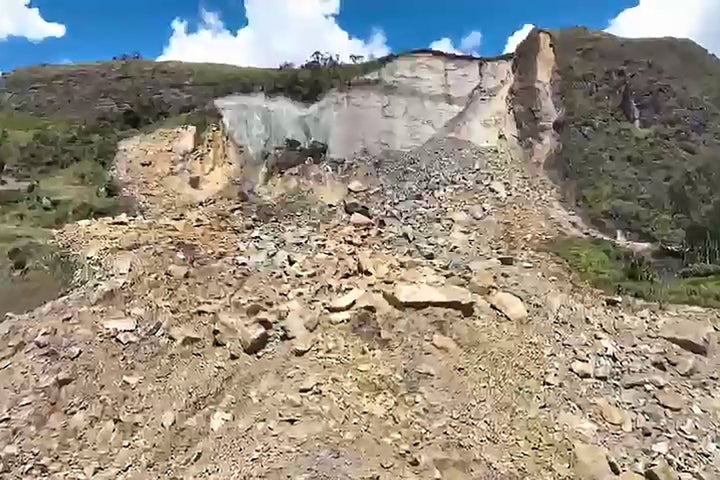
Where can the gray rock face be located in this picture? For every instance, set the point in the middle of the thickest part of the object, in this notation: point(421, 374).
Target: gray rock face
point(402, 106)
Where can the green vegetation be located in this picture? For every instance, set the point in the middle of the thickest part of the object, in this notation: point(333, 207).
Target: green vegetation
point(302, 84)
point(53, 172)
point(660, 181)
point(605, 266)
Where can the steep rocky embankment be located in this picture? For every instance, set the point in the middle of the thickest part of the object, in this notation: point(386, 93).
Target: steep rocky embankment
point(382, 315)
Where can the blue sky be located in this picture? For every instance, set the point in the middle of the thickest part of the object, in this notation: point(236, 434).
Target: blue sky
point(206, 30)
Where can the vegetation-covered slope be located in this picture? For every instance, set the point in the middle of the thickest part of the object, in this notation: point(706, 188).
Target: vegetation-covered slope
point(640, 136)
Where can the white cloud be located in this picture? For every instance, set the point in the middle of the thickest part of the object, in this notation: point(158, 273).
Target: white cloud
point(18, 19)
point(469, 45)
point(277, 31)
point(517, 37)
point(444, 45)
point(471, 42)
point(697, 20)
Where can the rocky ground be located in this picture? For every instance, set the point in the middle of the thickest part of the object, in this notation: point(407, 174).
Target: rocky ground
point(394, 318)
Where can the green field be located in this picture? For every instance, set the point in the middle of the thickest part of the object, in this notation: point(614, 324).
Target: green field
point(605, 266)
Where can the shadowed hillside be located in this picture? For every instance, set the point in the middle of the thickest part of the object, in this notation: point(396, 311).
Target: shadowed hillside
point(640, 136)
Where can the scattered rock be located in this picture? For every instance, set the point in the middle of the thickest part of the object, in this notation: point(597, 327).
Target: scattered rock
point(311, 322)
point(127, 324)
point(308, 384)
point(127, 338)
point(302, 345)
point(352, 206)
point(482, 283)
point(253, 337)
point(364, 324)
point(64, 378)
point(498, 188)
point(661, 448)
point(459, 217)
point(591, 462)
point(661, 471)
point(686, 366)
point(670, 399)
point(104, 435)
point(360, 219)
point(691, 335)
point(553, 379)
point(185, 335)
point(601, 371)
point(407, 295)
point(179, 271)
point(641, 379)
point(612, 414)
point(441, 342)
point(425, 250)
point(506, 260)
point(582, 369)
point(346, 301)
point(219, 419)
point(509, 305)
point(613, 301)
point(294, 325)
point(131, 380)
point(168, 418)
point(106, 291)
point(357, 186)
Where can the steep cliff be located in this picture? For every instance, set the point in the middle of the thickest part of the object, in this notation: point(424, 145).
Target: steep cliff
point(411, 99)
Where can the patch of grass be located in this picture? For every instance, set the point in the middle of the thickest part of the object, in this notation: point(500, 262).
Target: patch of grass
point(70, 194)
point(614, 270)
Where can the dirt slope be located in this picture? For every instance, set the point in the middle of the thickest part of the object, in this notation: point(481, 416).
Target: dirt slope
point(145, 372)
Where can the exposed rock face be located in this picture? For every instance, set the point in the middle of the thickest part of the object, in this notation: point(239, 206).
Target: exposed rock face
point(534, 100)
point(407, 102)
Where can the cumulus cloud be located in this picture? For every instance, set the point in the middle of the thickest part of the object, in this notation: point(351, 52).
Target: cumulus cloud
point(469, 44)
point(444, 45)
point(18, 19)
point(697, 20)
point(277, 31)
point(517, 37)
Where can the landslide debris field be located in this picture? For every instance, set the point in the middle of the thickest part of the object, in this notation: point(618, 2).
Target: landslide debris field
point(405, 310)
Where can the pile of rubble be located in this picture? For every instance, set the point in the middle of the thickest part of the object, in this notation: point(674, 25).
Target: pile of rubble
point(404, 330)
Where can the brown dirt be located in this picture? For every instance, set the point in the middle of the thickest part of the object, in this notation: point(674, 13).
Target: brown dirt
point(375, 392)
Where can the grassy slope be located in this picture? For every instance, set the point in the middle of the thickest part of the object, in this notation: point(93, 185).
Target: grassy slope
point(609, 268)
point(660, 181)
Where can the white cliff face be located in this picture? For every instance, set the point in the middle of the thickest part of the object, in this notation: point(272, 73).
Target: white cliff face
point(405, 104)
